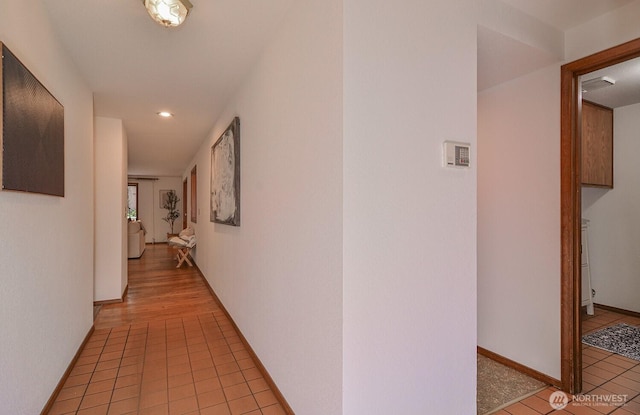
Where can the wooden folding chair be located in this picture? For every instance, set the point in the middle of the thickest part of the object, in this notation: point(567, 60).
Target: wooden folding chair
point(183, 249)
point(183, 256)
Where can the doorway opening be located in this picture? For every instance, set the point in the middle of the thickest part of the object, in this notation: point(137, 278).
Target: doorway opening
point(571, 204)
point(132, 201)
point(184, 204)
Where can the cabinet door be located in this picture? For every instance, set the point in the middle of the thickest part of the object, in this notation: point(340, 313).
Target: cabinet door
point(597, 145)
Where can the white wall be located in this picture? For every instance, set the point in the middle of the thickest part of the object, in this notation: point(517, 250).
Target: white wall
point(124, 267)
point(614, 231)
point(519, 220)
point(519, 202)
point(46, 248)
point(110, 209)
point(611, 29)
point(409, 224)
point(149, 210)
point(280, 273)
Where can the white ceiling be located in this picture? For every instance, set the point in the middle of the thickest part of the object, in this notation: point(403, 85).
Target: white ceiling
point(136, 68)
point(565, 14)
point(502, 58)
point(625, 91)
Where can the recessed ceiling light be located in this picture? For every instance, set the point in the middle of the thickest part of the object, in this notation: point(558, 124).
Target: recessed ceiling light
point(165, 114)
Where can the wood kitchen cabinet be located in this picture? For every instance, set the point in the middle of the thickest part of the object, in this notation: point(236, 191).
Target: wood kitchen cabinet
point(597, 145)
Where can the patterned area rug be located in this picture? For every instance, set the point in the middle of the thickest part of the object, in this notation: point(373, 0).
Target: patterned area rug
point(621, 339)
point(500, 386)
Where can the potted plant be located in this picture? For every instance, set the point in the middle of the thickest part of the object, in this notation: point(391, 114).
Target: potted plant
point(170, 203)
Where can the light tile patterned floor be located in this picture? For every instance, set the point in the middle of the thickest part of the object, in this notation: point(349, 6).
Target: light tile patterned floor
point(191, 364)
point(604, 374)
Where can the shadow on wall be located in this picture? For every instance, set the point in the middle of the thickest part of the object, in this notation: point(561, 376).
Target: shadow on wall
point(590, 195)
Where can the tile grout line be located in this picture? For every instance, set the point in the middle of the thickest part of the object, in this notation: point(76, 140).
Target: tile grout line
point(144, 352)
point(94, 372)
point(115, 382)
point(84, 394)
point(253, 395)
point(166, 361)
point(186, 341)
point(214, 361)
point(200, 333)
point(224, 336)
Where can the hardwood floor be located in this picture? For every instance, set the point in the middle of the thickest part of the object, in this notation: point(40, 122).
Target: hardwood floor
point(168, 349)
point(157, 290)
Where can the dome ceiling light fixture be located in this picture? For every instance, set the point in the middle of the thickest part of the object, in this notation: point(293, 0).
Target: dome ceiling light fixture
point(168, 13)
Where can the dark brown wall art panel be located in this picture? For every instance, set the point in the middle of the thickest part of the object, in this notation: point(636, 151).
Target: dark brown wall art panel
point(32, 132)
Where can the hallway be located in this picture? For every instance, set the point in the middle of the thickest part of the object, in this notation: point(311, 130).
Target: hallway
point(169, 348)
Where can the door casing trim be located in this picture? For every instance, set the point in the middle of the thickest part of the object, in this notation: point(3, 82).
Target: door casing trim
point(571, 206)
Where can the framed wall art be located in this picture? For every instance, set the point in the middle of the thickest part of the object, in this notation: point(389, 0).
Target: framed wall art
point(163, 197)
point(194, 194)
point(225, 176)
point(31, 131)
